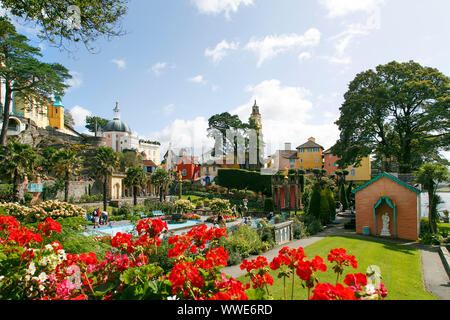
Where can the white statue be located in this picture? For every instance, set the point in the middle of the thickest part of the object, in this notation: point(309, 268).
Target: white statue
point(385, 231)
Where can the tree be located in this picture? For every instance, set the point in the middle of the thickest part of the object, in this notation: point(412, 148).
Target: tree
point(160, 179)
point(66, 163)
point(24, 75)
point(429, 176)
point(104, 163)
point(68, 118)
point(130, 158)
point(90, 123)
point(324, 207)
point(343, 197)
point(314, 202)
point(135, 179)
point(220, 124)
point(398, 111)
point(61, 21)
point(17, 161)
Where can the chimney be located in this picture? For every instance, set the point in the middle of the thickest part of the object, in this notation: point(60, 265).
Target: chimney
point(287, 146)
point(312, 139)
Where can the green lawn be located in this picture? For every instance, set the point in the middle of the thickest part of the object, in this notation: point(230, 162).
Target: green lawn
point(400, 267)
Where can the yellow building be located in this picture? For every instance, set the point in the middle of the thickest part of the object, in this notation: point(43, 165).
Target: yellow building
point(363, 173)
point(309, 155)
point(56, 114)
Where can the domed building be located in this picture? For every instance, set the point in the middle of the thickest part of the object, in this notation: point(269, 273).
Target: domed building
point(120, 139)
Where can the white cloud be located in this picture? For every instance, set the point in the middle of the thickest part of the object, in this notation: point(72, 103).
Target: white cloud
point(271, 46)
point(339, 8)
point(218, 6)
point(76, 81)
point(197, 79)
point(158, 67)
point(185, 134)
point(304, 56)
point(120, 63)
point(79, 115)
point(220, 51)
point(343, 40)
point(169, 109)
point(286, 115)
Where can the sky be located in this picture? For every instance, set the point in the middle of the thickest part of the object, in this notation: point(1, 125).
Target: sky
point(180, 62)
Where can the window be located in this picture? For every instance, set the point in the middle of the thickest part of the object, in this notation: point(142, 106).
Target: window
point(329, 164)
point(316, 160)
point(184, 173)
point(334, 164)
point(352, 172)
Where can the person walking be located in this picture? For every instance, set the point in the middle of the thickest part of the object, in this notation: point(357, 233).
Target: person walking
point(96, 218)
point(240, 211)
point(104, 217)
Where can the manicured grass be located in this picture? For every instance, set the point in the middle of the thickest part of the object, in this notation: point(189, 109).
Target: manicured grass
point(193, 198)
point(400, 268)
point(444, 227)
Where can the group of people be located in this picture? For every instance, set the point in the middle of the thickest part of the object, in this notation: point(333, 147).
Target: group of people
point(99, 217)
point(241, 210)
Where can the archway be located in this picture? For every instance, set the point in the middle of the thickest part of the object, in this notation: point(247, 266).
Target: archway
point(384, 203)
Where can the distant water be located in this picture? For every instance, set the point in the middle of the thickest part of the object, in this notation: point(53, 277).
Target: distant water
point(445, 196)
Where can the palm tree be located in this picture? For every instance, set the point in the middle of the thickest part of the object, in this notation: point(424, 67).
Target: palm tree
point(160, 178)
point(135, 179)
point(17, 161)
point(429, 176)
point(66, 163)
point(104, 163)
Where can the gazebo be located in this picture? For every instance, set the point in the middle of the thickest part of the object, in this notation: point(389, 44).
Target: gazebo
point(388, 207)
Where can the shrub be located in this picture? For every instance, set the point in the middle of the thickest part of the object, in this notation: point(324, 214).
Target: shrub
point(244, 241)
point(243, 179)
point(269, 205)
point(220, 206)
point(351, 225)
point(314, 226)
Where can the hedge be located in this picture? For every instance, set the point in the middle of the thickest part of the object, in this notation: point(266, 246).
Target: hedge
point(243, 179)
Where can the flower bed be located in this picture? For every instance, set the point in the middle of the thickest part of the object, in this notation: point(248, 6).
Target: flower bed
point(39, 212)
point(33, 267)
point(227, 218)
point(191, 216)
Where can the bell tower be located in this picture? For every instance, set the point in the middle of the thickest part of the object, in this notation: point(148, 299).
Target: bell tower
point(256, 117)
point(56, 114)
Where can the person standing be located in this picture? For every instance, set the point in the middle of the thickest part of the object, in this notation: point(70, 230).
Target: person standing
point(96, 218)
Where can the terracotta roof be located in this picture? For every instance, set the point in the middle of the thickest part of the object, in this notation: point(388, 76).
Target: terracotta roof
point(310, 144)
point(288, 154)
point(149, 163)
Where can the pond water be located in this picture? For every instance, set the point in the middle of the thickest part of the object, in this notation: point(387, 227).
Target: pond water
point(424, 201)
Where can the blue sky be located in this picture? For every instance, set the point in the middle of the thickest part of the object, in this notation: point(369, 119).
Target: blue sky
point(185, 60)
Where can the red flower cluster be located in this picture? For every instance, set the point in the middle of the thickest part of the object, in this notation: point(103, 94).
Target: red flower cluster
point(258, 272)
point(341, 257)
point(231, 289)
point(326, 291)
point(49, 227)
point(194, 239)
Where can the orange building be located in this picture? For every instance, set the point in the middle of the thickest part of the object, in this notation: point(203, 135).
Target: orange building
point(387, 206)
point(362, 173)
point(309, 155)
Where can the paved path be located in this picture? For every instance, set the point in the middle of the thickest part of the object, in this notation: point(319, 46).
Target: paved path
point(436, 280)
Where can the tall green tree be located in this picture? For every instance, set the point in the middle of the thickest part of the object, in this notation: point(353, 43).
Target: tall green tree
point(90, 123)
point(66, 163)
point(429, 176)
point(66, 22)
point(17, 161)
point(314, 202)
point(220, 124)
point(398, 111)
point(24, 75)
point(135, 179)
point(103, 164)
point(160, 179)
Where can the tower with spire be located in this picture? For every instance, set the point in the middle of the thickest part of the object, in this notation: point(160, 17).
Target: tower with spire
point(256, 117)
